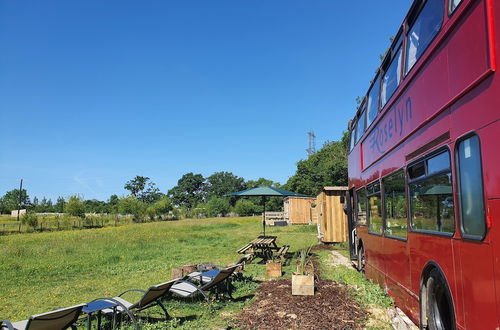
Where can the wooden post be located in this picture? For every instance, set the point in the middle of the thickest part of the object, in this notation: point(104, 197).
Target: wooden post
point(19, 204)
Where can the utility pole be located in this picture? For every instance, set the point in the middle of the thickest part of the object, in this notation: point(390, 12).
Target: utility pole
point(20, 201)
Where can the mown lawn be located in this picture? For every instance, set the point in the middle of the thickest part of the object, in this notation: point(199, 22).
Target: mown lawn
point(44, 271)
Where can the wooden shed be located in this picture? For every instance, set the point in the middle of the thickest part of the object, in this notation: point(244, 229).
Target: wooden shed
point(298, 210)
point(332, 220)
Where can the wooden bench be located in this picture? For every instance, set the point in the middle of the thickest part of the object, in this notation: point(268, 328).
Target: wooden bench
point(244, 249)
point(282, 252)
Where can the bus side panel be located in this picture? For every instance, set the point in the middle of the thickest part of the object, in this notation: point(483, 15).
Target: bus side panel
point(374, 258)
point(397, 270)
point(476, 283)
point(491, 178)
point(425, 248)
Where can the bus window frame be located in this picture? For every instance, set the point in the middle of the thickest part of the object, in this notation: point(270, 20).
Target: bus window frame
point(412, 18)
point(382, 189)
point(424, 158)
point(465, 236)
point(368, 217)
point(356, 207)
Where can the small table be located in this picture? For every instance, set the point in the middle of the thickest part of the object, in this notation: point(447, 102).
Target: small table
point(204, 277)
point(98, 306)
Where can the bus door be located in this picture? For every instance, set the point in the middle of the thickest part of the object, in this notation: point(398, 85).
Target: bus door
point(350, 223)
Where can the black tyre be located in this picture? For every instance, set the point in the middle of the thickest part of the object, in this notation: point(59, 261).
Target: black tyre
point(439, 307)
point(361, 259)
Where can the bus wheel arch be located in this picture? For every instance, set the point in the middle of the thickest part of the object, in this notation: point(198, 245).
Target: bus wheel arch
point(436, 303)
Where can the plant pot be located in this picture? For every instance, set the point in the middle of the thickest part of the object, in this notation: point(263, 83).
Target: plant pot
point(273, 269)
point(303, 285)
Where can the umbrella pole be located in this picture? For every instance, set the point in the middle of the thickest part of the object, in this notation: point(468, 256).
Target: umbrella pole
point(264, 216)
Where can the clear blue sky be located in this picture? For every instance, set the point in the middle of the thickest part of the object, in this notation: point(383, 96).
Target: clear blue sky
point(93, 93)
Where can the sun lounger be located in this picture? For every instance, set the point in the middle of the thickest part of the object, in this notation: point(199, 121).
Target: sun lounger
point(59, 319)
point(151, 297)
point(186, 288)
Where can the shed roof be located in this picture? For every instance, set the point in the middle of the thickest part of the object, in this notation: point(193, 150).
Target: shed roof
point(335, 188)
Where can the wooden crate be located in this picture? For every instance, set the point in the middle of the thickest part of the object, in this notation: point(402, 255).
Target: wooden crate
point(273, 269)
point(303, 285)
point(332, 220)
point(298, 210)
point(180, 272)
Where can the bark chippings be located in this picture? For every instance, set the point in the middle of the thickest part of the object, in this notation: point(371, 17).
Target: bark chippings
point(275, 308)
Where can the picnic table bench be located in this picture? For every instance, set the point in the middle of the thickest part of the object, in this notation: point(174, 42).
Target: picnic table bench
point(264, 247)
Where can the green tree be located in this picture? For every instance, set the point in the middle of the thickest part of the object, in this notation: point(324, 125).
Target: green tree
point(327, 167)
point(60, 203)
point(189, 191)
point(75, 206)
point(131, 205)
point(143, 189)
point(112, 204)
point(218, 206)
point(246, 207)
point(222, 183)
point(10, 201)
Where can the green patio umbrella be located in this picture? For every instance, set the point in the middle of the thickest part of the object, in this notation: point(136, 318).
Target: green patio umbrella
point(264, 192)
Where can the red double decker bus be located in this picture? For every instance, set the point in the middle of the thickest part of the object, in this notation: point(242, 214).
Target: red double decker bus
point(424, 167)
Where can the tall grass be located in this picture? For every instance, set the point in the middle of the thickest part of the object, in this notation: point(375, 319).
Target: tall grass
point(43, 271)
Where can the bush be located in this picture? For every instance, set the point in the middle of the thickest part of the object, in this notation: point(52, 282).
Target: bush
point(245, 207)
point(75, 207)
point(131, 205)
point(218, 207)
point(30, 219)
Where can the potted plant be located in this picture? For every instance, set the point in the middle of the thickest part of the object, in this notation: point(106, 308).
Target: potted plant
point(303, 278)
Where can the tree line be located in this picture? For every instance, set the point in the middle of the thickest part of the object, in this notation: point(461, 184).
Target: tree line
point(196, 195)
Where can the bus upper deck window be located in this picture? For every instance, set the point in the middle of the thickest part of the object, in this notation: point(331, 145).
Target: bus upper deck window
point(422, 31)
point(361, 126)
point(472, 212)
point(392, 74)
point(353, 135)
point(454, 4)
point(372, 108)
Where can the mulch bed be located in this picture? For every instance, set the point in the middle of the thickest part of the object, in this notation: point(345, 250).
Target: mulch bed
point(331, 307)
point(275, 308)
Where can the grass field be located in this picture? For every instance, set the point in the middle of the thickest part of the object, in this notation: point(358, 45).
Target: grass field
point(43, 271)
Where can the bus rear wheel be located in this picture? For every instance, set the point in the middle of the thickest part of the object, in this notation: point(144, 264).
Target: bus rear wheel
point(361, 259)
point(439, 308)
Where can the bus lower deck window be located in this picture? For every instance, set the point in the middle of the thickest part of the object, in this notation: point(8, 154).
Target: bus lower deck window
point(361, 206)
point(431, 196)
point(395, 205)
point(374, 208)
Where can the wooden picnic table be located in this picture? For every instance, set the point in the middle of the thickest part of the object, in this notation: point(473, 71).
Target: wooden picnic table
point(264, 247)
